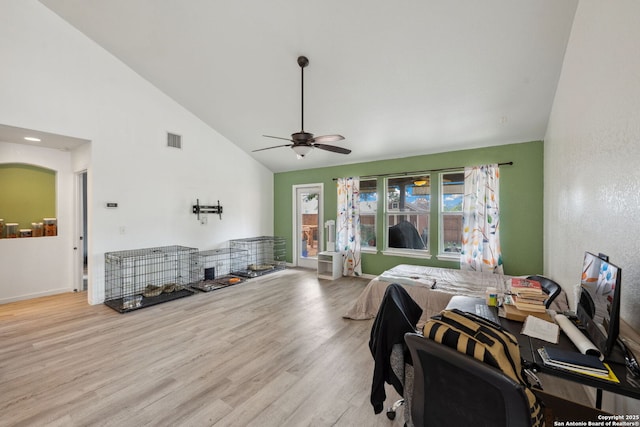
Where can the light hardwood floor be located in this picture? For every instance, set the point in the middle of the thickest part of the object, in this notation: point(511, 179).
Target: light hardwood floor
point(274, 351)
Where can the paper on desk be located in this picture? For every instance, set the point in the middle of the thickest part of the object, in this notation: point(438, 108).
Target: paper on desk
point(541, 329)
point(577, 337)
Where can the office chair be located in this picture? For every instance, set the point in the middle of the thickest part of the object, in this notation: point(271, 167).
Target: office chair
point(549, 287)
point(451, 388)
point(404, 371)
point(398, 314)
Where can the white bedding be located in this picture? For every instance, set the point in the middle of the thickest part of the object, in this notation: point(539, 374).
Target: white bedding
point(471, 283)
point(418, 281)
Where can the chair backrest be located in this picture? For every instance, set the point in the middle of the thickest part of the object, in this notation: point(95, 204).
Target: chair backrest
point(451, 388)
point(551, 288)
point(398, 314)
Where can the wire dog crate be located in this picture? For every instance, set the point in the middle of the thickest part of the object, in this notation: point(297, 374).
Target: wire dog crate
point(265, 254)
point(143, 277)
point(219, 268)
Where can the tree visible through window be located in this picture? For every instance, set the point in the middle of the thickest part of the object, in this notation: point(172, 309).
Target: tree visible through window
point(408, 203)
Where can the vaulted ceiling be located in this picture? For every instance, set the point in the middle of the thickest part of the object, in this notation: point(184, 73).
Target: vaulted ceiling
point(395, 78)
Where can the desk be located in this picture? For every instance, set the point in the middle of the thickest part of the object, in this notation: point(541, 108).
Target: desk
point(532, 360)
point(528, 351)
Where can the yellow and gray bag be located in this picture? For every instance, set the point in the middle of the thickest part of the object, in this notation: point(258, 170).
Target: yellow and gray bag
point(485, 341)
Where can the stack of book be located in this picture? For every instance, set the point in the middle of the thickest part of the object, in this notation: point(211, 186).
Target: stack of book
point(527, 295)
point(576, 362)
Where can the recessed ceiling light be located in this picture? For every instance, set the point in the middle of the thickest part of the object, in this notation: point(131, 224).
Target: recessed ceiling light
point(31, 138)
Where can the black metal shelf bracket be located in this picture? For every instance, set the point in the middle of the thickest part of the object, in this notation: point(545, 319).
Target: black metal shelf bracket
point(202, 209)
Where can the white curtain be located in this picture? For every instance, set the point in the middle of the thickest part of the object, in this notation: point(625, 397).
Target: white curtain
point(481, 220)
point(348, 225)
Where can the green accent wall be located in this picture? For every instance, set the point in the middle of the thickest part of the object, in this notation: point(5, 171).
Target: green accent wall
point(521, 202)
point(27, 193)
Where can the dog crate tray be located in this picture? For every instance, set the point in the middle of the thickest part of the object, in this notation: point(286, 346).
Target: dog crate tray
point(218, 283)
point(135, 302)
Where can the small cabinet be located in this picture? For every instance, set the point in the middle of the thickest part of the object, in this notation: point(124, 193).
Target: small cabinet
point(329, 265)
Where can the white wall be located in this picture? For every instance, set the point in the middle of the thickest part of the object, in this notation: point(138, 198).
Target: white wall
point(54, 79)
point(32, 267)
point(592, 153)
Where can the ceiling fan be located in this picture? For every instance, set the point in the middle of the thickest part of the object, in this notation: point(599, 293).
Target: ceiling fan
point(303, 142)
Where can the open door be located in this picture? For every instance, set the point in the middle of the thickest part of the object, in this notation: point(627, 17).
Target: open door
point(307, 229)
point(80, 236)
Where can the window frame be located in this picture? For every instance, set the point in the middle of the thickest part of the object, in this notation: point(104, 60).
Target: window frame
point(387, 212)
point(442, 254)
point(363, 248)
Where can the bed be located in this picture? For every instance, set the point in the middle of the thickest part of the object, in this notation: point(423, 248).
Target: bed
point(431, 288)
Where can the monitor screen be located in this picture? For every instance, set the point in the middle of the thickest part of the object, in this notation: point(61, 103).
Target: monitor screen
point(599, 308)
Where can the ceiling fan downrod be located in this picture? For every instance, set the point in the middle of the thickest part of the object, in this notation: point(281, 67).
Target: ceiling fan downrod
point(303, 142)
point(303, 61)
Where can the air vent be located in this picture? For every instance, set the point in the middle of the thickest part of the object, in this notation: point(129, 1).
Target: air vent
point(174, 140)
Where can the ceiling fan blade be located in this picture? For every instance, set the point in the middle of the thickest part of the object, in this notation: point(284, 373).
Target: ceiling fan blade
point(275, 146)
point(332, 148)
point(277, 137)
point(328, 138)
point(303, 141)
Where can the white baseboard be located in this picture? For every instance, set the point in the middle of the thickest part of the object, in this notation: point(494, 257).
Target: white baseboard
point(35, 295)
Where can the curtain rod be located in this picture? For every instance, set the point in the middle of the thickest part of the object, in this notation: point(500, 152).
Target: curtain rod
point(420, 172)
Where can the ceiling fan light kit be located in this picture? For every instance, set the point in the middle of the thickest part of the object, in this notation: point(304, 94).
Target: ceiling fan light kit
point(304, 142)
point(302, 150)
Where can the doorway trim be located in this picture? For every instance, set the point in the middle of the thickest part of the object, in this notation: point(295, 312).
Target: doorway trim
point(80, 249)
point(297, 227)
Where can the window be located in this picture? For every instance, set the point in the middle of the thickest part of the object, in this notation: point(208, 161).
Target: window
point(28, 200)
point(368, 212)
point(452, 193)
point(407, 213)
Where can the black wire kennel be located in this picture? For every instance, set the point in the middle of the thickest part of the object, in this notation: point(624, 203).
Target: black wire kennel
point(143, 277)
point(265, 254)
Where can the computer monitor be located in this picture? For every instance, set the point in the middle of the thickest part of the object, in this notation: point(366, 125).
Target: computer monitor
point(599, 307)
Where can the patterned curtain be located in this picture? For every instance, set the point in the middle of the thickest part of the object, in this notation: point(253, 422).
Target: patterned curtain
point(348, 225)
point(481, 220)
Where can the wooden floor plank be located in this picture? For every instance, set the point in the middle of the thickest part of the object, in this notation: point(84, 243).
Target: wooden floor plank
point(273, 351)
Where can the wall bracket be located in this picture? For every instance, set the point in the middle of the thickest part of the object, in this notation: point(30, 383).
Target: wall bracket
point(202, 209)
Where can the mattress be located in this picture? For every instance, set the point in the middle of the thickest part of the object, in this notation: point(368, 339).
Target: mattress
point(430, 287)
